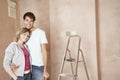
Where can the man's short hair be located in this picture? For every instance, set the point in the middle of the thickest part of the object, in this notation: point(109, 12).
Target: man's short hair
point(30, 15)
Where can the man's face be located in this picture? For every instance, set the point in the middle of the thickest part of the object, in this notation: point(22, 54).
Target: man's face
point(28, 22)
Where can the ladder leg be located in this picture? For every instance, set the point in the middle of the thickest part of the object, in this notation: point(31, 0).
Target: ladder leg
point(84, 64)
point(61, 69)
point(59, 77)
point(71, 63)
point(76, 69)
point(64, 57)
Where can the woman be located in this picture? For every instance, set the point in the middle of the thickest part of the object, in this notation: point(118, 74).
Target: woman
point(17, 53)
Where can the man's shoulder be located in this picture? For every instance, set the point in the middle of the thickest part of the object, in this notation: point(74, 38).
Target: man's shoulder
point(39, 30)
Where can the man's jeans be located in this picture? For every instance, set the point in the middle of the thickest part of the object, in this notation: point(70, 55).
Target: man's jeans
point(25, 77)
point(37, 72)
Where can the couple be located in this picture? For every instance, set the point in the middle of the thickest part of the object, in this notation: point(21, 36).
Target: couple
point(27, 55)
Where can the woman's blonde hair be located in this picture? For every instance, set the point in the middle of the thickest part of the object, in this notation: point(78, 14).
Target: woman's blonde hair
point(19, 32)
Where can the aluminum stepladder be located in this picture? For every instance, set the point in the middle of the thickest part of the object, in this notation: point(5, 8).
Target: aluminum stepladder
point(74, 72)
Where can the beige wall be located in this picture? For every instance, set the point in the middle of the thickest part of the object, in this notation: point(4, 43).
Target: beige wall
point(109, 28)
point(7, 30)
point(73, 15)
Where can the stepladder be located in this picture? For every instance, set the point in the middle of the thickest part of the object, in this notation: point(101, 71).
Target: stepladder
point(71, 58)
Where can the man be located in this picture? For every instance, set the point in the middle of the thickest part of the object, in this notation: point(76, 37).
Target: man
point(37, 46)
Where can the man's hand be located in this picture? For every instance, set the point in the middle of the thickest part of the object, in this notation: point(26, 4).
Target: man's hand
point(14, 67)
point(45, 75)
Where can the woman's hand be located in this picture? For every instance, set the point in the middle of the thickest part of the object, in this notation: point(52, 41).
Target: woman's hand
point(15, 78)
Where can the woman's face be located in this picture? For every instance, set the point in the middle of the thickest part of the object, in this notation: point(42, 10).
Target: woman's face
point(28, 22)
point(24, 36)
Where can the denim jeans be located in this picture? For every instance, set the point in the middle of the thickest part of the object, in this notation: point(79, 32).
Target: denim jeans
point(37, 72)
point(25, 77)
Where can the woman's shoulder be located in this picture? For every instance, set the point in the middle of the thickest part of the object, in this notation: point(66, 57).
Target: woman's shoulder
point(12, 45)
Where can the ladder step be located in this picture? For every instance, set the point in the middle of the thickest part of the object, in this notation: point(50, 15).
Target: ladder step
point(67, 75)
point(73, 60)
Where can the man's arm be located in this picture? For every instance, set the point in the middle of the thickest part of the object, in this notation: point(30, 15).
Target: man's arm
point(45, 59)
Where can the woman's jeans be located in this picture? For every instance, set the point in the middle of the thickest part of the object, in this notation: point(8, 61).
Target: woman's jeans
point(37, 72)
point(25, 77)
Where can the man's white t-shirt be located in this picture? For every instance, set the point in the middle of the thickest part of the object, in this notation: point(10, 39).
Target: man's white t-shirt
point(37, 38)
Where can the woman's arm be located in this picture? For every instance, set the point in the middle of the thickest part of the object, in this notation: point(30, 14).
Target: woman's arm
point(12, 74)
point(9, 54)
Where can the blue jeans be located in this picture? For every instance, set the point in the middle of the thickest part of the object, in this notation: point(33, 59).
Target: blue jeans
point(37, 72)
point(25, 77)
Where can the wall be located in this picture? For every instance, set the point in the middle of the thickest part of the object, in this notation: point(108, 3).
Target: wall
point(73, 15)
point(109, 39)
point(7, 31)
